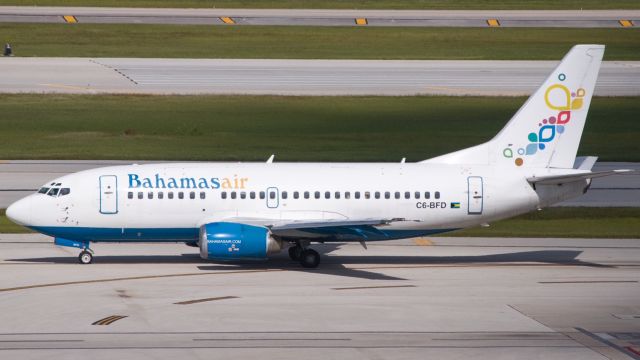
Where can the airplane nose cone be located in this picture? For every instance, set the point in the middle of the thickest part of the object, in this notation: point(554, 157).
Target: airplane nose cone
point(20, 212)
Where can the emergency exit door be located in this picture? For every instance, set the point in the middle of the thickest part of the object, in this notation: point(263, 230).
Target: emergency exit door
point(475, 200)
point(108, 194)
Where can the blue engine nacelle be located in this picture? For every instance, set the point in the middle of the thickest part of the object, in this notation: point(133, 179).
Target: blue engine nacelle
point(233, 241)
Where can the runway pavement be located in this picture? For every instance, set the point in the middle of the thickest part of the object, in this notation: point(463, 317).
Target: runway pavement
point(19, 178)
point(447, 298)
point(301, 17)
point(295, 77)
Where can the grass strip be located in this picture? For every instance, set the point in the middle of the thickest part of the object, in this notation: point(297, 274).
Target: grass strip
point(565, 222)
point(250, 128)
point(345, 4)
point(295, 42)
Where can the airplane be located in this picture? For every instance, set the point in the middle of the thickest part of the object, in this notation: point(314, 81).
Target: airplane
point(249, 211)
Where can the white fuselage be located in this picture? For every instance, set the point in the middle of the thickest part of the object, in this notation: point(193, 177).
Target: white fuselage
point(169, 202)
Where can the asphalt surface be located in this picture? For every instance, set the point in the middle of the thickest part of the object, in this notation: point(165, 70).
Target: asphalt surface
point(295, 77)
point(19, 178)
point(441, 298)
point(227, 17)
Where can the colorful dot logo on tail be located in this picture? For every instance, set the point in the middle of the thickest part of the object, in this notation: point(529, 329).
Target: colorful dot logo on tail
point(559, 98)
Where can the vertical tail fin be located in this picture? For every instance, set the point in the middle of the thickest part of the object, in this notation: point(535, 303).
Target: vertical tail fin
point(546, 131)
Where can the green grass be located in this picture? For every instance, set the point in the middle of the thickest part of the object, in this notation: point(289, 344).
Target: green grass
point(344, 4)
point(288, 42)
point(294, 128)
point(566, 222)
point(552, 222)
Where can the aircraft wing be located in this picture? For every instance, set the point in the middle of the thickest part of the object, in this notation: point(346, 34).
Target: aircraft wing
point(567, 178)
point(325, 229)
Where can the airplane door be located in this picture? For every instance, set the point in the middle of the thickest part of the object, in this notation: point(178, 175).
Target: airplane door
point(475, 201)
point(108, 194)
point(273, 197)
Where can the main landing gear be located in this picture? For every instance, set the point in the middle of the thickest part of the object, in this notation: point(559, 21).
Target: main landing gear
point(85, 257)
point(308, 258)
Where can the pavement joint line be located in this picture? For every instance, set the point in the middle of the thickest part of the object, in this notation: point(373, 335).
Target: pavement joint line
point(189, 302)
point(131, 278)
point(273, 339)
point(373, 287)
point(589, 282)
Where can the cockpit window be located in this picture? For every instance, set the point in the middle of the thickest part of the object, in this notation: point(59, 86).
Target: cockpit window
point(55, 190)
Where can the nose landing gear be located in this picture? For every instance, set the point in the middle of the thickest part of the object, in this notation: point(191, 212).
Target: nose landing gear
point(85, 257)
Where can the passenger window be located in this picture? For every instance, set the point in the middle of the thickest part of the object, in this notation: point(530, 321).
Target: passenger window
point(357, 194)
point(296, 195)
point(417, 194)
point(306, 194)
point(317, 194)
point(437, 194)
point(243, 195)
point(397, 195)
point(203, 195)
point(170, 194)
point(272, 194)
point(130, 195)
point(192, 195)
point(377, 195)
point(407, 195)
point(427, 195)
point(367, 195)
point(337, 195)
point(233, 195)
point(284, 195)
point(387, 195)
point(262, 194)
point(252, 194)
point(150, 195)
point(347, 195)
point(327, 194)
point(160, 195)
point(64, 191)
point(224, 194)
point(180, 195)
point(140, 195)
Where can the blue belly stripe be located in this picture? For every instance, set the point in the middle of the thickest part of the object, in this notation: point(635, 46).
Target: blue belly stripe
point(95, 234)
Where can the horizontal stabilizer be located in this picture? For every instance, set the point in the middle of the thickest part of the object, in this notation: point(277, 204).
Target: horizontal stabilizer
point(563, 179)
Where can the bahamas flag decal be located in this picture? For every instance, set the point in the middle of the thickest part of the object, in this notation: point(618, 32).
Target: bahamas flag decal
point(455, 205)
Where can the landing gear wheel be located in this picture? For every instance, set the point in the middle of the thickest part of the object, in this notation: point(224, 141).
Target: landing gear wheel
point(309, 258)
point(85, 257)
point(294, 252)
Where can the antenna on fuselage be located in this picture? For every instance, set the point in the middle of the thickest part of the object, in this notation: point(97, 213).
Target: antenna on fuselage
point(270, 160)
point(404, 159)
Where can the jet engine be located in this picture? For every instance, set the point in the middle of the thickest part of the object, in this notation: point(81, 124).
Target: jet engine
point(234, 241)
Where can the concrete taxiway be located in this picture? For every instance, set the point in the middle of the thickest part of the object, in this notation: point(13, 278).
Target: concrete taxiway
point(19, 178)
point(305, 17)
point(445, 298)
point(295, 77)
